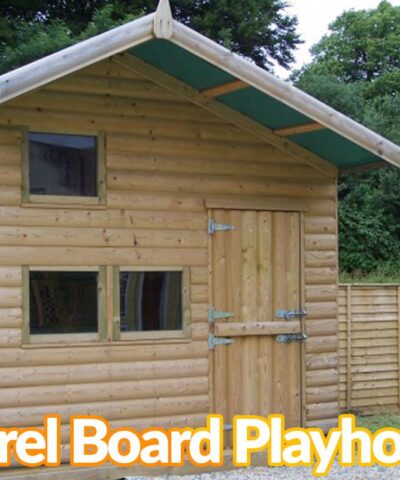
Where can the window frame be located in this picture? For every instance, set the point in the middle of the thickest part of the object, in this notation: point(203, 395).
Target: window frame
point(182, 334)
point(65, 338)
point(40, 200)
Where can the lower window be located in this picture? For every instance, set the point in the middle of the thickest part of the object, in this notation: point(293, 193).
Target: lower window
point(63, 304)
point(152, 301)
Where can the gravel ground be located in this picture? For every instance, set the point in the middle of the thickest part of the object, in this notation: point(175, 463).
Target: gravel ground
point(300, 473)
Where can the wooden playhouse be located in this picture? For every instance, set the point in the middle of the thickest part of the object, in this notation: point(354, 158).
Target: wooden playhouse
point(168, 236)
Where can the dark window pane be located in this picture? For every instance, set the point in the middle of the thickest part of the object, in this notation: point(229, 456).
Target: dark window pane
point(150, 301)
point(62, 165)
point(63, 302)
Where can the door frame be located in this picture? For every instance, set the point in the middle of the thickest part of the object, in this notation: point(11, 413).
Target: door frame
point(286, 207)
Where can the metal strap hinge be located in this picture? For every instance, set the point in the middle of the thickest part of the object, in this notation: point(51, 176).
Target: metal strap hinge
point(218, 227)
point(291, 314)
point(291, 337)
point(215, 314)
point(214, 341)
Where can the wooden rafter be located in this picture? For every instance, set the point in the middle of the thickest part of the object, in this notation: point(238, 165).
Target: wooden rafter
point(363, 168)
point(224, 88)
point(228, 114)
point(298, 129)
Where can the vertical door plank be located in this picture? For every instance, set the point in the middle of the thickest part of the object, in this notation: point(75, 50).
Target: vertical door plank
point(279, 382)
point(234, 305)
point(249, 310)
point(265, 313)
point(219, 302)
point(293, 405)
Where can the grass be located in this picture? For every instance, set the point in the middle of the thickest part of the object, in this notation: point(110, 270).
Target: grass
point(375, 277)
point(376, 422)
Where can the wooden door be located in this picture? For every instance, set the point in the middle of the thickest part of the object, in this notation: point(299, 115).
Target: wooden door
point(255, 273)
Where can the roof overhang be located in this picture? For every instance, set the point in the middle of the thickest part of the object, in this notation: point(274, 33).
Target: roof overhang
point(222, 82)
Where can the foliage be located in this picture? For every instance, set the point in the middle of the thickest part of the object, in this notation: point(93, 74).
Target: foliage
point(257, 29)
point(356, 69)
point(35, 39)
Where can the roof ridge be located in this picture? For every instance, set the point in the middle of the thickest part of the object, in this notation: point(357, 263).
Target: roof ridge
point(163, 20)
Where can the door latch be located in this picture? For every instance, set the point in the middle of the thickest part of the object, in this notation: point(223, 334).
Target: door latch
point(291, 314)
point(291, 338)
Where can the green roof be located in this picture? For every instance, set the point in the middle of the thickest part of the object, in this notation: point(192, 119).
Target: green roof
point(263, 108)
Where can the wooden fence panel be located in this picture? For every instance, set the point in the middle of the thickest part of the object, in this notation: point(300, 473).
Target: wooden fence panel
point(369, 348)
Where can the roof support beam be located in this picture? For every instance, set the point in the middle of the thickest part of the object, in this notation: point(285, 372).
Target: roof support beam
point(299, 129)
point(228, 114)
point(224, 88)
point(363, 168)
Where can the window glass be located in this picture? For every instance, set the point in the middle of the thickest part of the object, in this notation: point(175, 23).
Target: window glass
point(63, 302)
point(62, 165)
point(150, 301)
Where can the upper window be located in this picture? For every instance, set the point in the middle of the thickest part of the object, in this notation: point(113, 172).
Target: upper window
point(60, 165)
point(150, 301)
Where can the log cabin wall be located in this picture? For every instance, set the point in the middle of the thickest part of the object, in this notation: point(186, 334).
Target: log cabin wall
point(165, 158)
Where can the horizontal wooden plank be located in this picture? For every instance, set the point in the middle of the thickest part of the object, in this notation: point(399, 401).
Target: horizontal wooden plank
point(118, 218)
point(328, 393)
point(10, 318)
point(323, 377)
point(10, 276)
point(102, 372)
point(10, 337)
point(265, 203)
point(105, 105)
point(321, 344)
point(113, 86)
point(321, 259)
point(101, 354)
point(97, 237)
point(10, 195)
point(211, 184)
point(10, 137)
point(319, 224)
point(318, 241)
point(316, 293)
point(321, 276)
point(238, 329)
point(95, 256)
point(10, 155)
point(321, 327)
point(10, 297)
point(315, 361)
point(168, 163)
point(107, 391)
point(318, 411)
point(116, 410)
point(10, 175)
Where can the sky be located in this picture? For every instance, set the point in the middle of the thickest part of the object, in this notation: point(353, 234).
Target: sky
point(314, 17)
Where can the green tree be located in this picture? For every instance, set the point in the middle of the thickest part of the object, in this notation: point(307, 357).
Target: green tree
point(258, 29)
point(356, 69)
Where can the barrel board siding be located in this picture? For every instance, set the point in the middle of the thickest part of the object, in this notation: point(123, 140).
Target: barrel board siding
point(167, 163)
point(369, 355)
